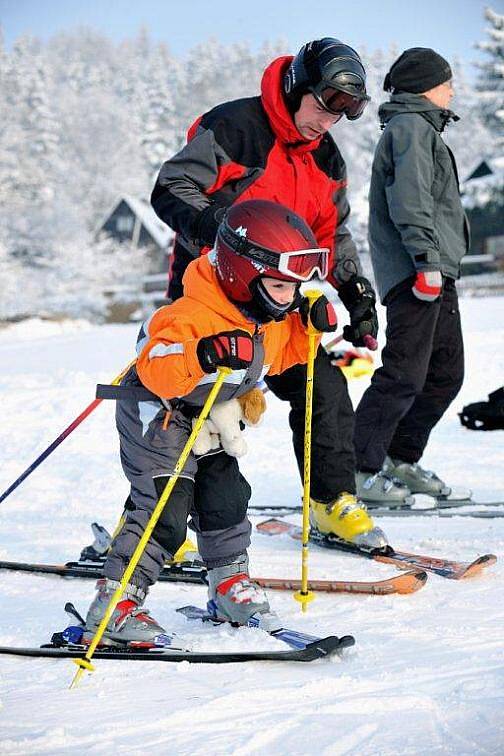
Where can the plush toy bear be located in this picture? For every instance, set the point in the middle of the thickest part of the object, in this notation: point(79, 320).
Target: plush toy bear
point(222, 427)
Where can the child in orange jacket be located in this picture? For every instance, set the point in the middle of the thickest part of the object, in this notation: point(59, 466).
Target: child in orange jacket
point(241, 309)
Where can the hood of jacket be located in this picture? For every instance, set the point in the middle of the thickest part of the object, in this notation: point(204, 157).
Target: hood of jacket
point(406, 102)
point(202, 285)
point(277, 111)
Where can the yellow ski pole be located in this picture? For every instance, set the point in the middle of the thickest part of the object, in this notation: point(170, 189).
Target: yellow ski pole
point(304, 596)
point(85, 662)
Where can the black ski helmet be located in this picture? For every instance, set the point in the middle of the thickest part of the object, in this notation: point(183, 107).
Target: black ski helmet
point(333, 73)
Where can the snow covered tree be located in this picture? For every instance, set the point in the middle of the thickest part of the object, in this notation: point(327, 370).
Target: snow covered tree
point(470, 138)
point(85, 120)
point(161, 133)
point(491, 79)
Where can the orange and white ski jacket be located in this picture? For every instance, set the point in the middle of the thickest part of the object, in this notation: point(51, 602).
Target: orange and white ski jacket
point(167, 361)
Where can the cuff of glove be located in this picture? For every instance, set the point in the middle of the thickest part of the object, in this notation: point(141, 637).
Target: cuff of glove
point(355, 290)
point(428, 285)
point(206, 224)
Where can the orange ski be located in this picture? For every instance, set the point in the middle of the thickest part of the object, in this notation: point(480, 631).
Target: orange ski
point(407, 583)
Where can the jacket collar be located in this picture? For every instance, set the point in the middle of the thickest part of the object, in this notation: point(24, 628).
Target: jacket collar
point(201, 285)
point(406, 102)
point(276, 109)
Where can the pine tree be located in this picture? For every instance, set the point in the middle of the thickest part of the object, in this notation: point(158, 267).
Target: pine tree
point(466, 105)
point(29, 152)
point(491, 79)
point(161, 133)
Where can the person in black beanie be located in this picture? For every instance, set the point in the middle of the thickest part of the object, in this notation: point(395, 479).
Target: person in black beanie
point(418, 234)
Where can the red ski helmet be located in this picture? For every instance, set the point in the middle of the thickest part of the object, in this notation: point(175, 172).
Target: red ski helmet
point(258, 239)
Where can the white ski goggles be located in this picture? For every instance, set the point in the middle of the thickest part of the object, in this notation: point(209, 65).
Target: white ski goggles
point(303, 264)
point(299, 264)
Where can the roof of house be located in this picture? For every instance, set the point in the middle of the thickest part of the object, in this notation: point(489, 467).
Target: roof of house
point(142, 209)
point(479, 191)
point(494, 167)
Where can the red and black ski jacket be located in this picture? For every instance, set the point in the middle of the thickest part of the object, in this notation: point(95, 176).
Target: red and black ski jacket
point(250, 149)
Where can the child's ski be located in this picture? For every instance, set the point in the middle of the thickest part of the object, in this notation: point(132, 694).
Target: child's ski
point(319, 649)
point(409, 582)
point(180, 572)
point(292, 638)
point(194, 572)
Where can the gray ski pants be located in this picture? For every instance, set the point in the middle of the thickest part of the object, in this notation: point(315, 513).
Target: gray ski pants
point(149, 452)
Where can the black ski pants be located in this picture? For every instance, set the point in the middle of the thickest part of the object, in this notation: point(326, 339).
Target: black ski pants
point(421, 374)
point(332, 457)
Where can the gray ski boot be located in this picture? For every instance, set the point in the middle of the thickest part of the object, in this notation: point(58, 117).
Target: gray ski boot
point(101, 544)
point(382, 489)
point(129, 623)
point(235, 598)
point(417, 479)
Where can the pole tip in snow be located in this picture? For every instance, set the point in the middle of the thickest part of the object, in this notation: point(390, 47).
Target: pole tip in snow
point(82, 665)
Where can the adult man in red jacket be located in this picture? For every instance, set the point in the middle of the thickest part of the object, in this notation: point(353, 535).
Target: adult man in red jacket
point(277, 147)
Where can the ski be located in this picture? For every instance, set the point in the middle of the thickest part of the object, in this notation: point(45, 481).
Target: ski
point(441, 512)
point(169, 648)
point(431, 506)
point(409, 582)
point(292, 638)
point(195, 573)
point(453, 501)
point(447, 568)
point(180, 572)
point(318, 649)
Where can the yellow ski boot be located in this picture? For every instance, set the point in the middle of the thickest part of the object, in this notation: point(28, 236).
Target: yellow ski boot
point(348, 520)
point(188, 552)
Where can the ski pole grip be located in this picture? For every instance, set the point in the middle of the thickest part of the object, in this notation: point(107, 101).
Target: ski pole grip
point(311, 295)
point(370, 342)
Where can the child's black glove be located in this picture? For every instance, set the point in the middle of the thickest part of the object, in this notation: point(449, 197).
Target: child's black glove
point(322, 314)
point(232, 349)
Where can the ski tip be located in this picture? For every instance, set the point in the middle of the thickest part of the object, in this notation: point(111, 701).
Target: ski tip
point(488, 559)
point(410, 582)
point(327, 646)
point(479, 564)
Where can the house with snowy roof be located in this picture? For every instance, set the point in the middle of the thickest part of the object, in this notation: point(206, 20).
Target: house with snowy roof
point(132, 219)
point(483, 199)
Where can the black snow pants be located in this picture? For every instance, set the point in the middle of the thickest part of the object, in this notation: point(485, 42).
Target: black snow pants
point(332, 457)
point(422, 372)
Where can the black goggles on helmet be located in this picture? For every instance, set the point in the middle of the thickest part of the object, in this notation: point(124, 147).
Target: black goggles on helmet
point(340, 102)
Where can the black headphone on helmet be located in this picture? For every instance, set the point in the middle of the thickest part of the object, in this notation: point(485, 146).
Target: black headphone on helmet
point(307, 70)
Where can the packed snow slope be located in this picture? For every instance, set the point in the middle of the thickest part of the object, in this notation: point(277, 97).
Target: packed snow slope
point(426, 673)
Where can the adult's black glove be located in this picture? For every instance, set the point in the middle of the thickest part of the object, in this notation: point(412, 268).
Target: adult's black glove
point(322, 314)
point(232, 349)
point(206, 224)
point(359, 298)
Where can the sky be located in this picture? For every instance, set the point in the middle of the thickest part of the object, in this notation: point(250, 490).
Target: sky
point(449, 26)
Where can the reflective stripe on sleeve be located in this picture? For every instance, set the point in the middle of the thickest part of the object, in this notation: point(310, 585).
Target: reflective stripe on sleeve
point(163, 350)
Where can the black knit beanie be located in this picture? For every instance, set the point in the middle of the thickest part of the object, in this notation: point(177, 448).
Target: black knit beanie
point(417, 70)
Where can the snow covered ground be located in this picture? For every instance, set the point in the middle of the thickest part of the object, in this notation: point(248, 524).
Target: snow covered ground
point(425, 676)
